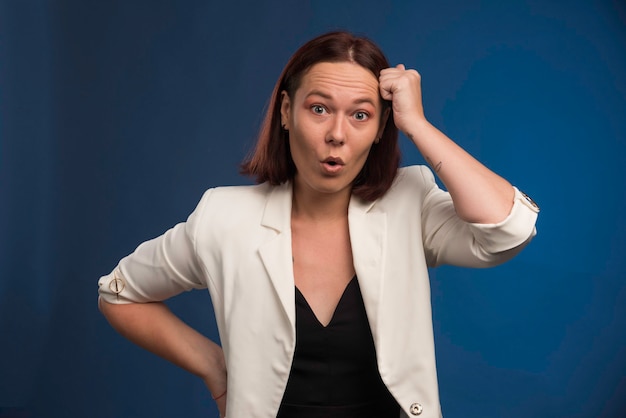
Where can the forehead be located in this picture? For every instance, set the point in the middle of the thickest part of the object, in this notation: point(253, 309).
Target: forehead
point(339, 78)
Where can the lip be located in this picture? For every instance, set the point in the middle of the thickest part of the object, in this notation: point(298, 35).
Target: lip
point(332, 165)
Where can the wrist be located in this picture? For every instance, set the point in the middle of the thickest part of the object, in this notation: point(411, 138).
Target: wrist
point(417, 130)
point(214, 373)
point(221, 395)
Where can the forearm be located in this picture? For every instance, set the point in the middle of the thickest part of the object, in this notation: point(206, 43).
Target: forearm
point(479, 195)
point(155, 328)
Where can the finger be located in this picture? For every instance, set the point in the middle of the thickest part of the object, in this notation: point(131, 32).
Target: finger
point(393, 77)
point(393, 69)
point(388, 83)
point(385, 94)
point(387, 88)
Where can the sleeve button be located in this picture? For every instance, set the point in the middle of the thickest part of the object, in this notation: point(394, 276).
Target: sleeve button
point(530, 201)
point(416, 409)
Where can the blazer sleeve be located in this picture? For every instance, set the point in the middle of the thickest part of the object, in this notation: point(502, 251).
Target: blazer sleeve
point(159, 268)
point(450, 240)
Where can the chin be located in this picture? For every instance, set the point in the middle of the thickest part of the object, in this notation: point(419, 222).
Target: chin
point(325, 185)
point(333, 189)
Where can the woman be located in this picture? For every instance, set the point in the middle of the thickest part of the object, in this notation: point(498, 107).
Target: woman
point(318, 274)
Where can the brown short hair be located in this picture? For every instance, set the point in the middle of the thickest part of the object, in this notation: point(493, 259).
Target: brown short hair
point(271, 159)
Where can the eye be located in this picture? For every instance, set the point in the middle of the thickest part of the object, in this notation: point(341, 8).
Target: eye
point(318, 109)
point(361, 116)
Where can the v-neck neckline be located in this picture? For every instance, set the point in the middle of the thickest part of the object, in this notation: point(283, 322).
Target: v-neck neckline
point(332, 318)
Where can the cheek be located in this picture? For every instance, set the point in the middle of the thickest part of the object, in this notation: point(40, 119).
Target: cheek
point(364, 154)
point(298, 147)
point(298, 139)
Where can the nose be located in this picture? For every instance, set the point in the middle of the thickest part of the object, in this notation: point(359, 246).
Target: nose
point(336, 134)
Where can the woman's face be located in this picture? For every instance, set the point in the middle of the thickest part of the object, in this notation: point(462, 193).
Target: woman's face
point(333, 119)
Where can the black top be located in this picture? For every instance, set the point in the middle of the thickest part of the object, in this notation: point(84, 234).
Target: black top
point(334, 371)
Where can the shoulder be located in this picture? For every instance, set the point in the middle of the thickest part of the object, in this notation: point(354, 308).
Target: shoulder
point(418, 179)
point(230, 216)
point(410, 189)
point(414, 174)
point(229, 204)
point(235, 196)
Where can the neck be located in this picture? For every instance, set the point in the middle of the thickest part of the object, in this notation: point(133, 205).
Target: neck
point(320, 207)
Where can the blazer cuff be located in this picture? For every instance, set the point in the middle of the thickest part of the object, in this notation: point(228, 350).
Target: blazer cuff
point(113, 288)
point(514, 230)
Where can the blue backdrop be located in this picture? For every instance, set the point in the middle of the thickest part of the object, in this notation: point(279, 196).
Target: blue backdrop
point(115, 116)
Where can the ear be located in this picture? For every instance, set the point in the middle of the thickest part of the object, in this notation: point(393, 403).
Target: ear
point(383, 121)
point(285, 109)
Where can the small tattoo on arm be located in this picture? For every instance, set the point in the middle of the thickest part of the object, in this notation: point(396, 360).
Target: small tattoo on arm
point(436, 167)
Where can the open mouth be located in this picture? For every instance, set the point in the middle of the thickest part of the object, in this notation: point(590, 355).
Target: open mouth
point(333, 165)
point(333, 162)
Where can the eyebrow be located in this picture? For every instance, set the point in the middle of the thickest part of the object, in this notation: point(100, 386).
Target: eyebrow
point(329, 97)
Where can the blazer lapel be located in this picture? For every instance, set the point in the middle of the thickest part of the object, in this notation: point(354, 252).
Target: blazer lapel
point(276, 253)
point(367, 237)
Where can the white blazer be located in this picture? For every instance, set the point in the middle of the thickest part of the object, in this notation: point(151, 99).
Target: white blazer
point(237, 243)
